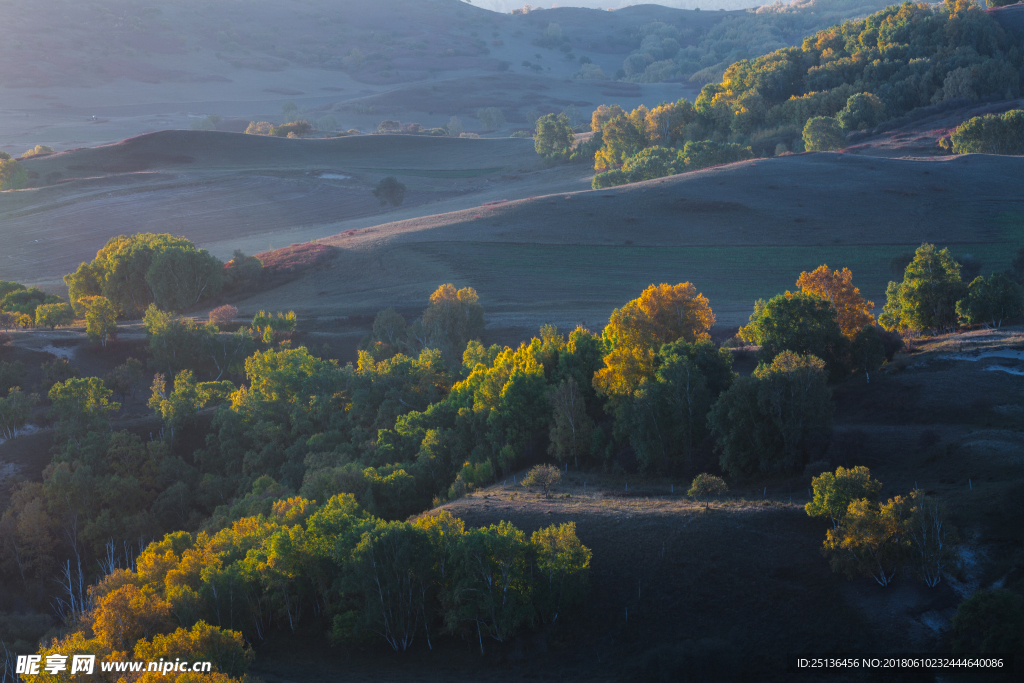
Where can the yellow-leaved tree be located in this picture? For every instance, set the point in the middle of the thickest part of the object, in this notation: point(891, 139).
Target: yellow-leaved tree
point(661, 314)
point(853, 311)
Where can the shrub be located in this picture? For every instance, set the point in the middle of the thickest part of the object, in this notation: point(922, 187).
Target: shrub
point(390, 191)
point(38, 150)
point(259, 128)
point(989, 622)
point(295, 128)
point(609, 179)
point(705, 153)
point(544, 476)
point(223, 315)
point(990, 134)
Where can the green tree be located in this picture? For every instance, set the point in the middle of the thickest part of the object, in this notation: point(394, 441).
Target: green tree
point(666, 417)
point(801, 323)
point(571, 428)
point(54, 315)
point(100, 319)
point(15, 411)
point(771, 420)
point(390, 191)
point(26, 301)
point(696, 155)
point(181, 277)
point(393, 567)
point(862, 111)
point(650, 163)
point(452, 319)
point(932, 539)
point(707, 485)
point(124, 380)
point(991, 300)
point(554, 136)
point(133, 272)
point(870, 540)
point(12, 175)
point(563, 565)
point(990, 134)
point(490, 586)
point(11, 374)
point(926, 299)
point(823, 134)
point(80, 406)
point(242, 270)
point(621, 140)
point(178, 343)
point(179, 407)
point(7, 287)
point(867, 351)
point(833, 493)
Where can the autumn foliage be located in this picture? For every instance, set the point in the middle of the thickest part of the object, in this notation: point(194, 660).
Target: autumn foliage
point(836, 286)
point(661, 314)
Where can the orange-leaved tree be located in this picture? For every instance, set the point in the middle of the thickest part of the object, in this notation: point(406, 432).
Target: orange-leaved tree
point(853, 311)
point(661, 314)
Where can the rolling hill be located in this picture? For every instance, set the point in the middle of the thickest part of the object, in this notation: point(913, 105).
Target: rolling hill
point(535, 242)
point(739, 232)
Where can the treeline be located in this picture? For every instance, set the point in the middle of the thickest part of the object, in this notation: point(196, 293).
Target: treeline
point(849, 77)
point(303, 567)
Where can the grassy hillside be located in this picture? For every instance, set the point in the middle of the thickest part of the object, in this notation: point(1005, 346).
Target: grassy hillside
point(230, 191)
point(739, 232)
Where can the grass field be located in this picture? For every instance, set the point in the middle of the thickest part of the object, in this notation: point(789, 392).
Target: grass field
point(535, 243)
point(739, 232)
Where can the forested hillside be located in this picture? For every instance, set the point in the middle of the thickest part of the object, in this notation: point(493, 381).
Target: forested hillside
point(852, 77)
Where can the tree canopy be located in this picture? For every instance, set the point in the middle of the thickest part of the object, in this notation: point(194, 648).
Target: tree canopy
point(775, 419)
point(134, 272)
point(926, 299)
point(661, 314)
